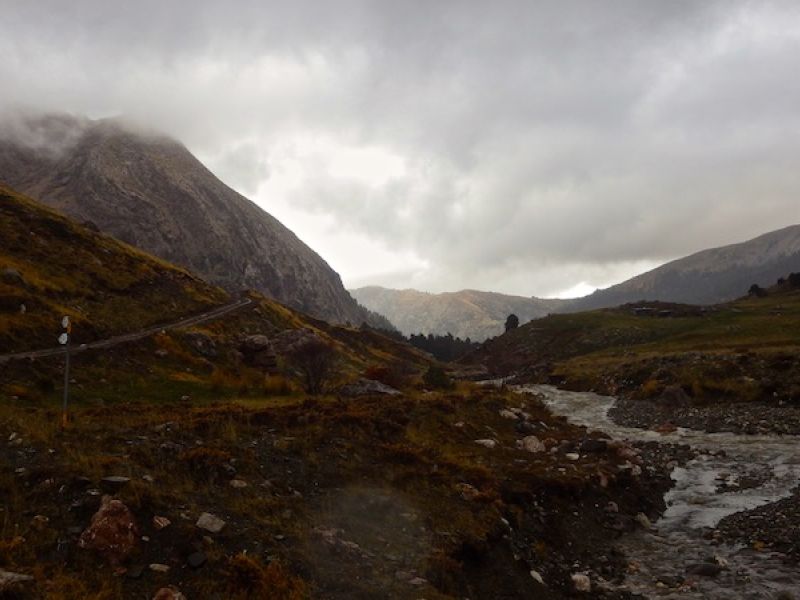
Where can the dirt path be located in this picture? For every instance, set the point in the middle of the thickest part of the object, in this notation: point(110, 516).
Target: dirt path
point(131, 337)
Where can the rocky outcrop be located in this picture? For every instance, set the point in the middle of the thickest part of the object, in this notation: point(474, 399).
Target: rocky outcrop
point(150, 191)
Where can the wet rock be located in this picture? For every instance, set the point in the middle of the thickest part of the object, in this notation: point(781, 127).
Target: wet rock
point(644, 521)
point(593, 446)
point(112, 532)
point(581, 582)
point(706, 569)
point(210, 523)
point(9, 580)
point(367, 387)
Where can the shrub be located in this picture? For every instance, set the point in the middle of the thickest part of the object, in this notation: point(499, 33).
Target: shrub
point(248, 578)
point(315, 360)
point(435, 378)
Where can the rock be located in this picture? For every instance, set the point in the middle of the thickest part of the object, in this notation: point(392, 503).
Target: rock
point(159, 568)
point(592, 446)
point(643, 520)
point(706, 569)
point(572, 456)
point(12, 276)
point(507, 414)
point(196, 560)
point(10, 580)
point(367, 387)
point(237, 483)
point(531, 444)
point(40, 522)
point(161, 522)
point(169, 593)
point(161, 353)
point(537, 578)
point(467, 491)
point(210, 523)
point(134, 572)
point(486, 443)
point(202, 344)
point(112, 531)
point(673, 395)
point(581, 582)
point(612, 507)
point(113, 483)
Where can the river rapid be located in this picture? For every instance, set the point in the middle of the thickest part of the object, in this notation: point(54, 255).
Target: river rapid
point(706, 490)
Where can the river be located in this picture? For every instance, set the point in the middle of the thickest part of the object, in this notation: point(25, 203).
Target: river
point(698, 501)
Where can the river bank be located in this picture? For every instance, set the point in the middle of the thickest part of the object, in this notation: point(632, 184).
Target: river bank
point(727, 531)
point(742, 418)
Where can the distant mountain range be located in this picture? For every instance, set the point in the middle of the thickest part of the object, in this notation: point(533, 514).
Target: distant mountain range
point(468, 313)
point(710, 276)
point(148, 190)
point(707, 277)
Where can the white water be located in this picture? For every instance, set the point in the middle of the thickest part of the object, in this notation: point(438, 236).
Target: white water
point(695, 503)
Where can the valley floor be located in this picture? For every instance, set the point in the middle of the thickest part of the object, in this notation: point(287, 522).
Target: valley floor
point(473, 493)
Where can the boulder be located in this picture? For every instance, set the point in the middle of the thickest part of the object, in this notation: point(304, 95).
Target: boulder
point(202, 344)
point(486, 443)
point(674, 395)
point(581, 582)
point(258, 351)
point(367, 387)
point(531, 444)
point(210, 523)
point(112, 532)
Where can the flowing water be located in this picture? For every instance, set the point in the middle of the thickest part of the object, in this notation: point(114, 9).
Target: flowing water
point(696, 502)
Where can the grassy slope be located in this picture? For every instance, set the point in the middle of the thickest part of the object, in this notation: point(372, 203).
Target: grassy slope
point(109, 288)
point(105, 286)
point(602, 348)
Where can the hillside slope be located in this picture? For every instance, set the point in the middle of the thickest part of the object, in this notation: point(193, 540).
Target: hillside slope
point(468, 313)
point(709, 276)
point(151, 192)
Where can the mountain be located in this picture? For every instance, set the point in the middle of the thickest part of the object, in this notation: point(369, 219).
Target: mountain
point(468, 313)
point(710, 276)
point(148, 190)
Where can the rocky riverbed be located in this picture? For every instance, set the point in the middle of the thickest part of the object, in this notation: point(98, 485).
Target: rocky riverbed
point(744, 418)
point(729, 530)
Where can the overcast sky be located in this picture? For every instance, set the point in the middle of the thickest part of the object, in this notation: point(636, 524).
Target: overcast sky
point(536, 148)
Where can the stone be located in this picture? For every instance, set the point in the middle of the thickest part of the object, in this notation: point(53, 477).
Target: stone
point(159, 568)
point(196, 560)
point(581, 582)
point(537, 578)
point(40, 522)
point(161, 522)
point(572, 456)
point(593, 446)
point(238, 483)
point(531, 444)
point(210, 523)
point(507, 414)
point(643, 520)
point(112, 532)
point(12, 276)
point(486, 443)
point(706, 569)
point(612, 507)
point(10, 580)
point(169, 593)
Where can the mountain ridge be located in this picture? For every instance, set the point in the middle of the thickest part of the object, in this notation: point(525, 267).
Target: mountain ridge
point(148, 190)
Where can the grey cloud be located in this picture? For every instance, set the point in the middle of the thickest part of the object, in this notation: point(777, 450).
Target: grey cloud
point(545, 143)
